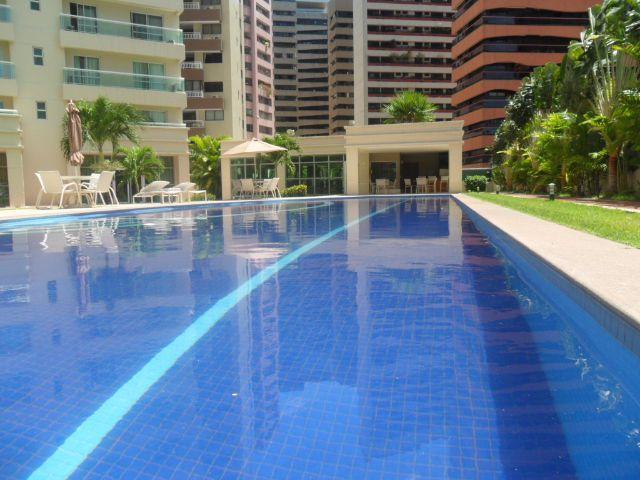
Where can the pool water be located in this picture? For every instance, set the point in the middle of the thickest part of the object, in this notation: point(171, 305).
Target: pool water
point(382, 338)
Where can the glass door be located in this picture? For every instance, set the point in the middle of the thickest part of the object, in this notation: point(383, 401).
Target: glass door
point(146, 27)
point(149, 76)
point(87, 70)
point(84, 18)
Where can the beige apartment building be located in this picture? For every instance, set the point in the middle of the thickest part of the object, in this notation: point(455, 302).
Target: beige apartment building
point(401, 46)
point(301, 66)
point(213, 67)
point(56, 50)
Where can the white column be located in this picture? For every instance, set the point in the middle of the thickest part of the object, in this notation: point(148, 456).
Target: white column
point(16, 178)
point(455, 167)
point(357, 170)
point(181, 169)
point(281, 173)
point(225, 178)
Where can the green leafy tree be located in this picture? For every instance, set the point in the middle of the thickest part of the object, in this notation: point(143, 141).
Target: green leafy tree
point(138, 162)
point(104, 121)
point(204, 156)
point(410, 107)
point(284, 140)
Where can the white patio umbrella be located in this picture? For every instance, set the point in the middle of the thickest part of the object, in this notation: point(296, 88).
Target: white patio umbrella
point(252, 148)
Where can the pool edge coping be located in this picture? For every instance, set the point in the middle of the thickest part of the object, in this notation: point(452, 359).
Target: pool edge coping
point(554, 259)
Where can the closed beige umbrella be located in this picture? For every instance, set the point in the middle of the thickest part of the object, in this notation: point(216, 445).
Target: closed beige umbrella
point(252, 148)
point(75, 135)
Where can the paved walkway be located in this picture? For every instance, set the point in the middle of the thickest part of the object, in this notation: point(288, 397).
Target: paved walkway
point(607, 269)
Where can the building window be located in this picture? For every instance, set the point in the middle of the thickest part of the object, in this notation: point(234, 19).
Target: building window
point(246, 168)
point(213, 57)
point(35, 5)
point(214, 115)
point(213, 87)
point(321, 174)
point(41, 110)
point(38, 56)
point(167, 174)
point(154, 116)
point(146, 27)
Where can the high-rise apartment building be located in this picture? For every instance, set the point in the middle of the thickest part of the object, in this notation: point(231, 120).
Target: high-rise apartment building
point(214, 68)
point(55, 51)
point(301, 66)
point(258, 60)
point(497, 43)
point(340, 13)
point(401, 46)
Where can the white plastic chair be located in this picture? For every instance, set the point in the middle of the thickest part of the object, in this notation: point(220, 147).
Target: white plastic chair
point(154, 189)
point(421, 185)
point(98, 185)
point(408, 185)
point(381, 185)
point(431, 183)
point(246, 187)
point(273, 187)
point(444, 180)
point(51, 184)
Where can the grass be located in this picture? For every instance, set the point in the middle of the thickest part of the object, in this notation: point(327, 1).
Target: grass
point(616, 225)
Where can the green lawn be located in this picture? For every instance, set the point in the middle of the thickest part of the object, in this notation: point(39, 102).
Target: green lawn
point(617, 225)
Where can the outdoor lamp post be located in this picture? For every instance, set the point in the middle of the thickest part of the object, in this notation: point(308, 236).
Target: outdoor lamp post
point(552, 191)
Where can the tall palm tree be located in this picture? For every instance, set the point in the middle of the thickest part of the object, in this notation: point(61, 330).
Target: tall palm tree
point(104, 121)
point(138, 162)
point(287, 141)
point(410, 107)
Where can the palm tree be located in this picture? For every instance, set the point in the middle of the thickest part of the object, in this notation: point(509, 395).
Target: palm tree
point(138, 162)
point(204, 155)
point(287, 141)
point(614, 77)
point(410, 107)
point(105, 121)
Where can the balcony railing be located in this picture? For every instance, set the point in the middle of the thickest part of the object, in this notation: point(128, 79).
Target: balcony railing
point(5, 13)
point(163, 124)
point(195, 94)
point(100, 78)
point(194, 123)
point(99, 26)
point(7, 70)
point(192, 5)
point(192, 65)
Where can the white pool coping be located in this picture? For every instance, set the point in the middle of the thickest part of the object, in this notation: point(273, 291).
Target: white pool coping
point(606, 269)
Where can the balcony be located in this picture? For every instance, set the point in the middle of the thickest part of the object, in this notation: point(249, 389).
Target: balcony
point(193, 71)
point(124, 87)
point(196, 127)
point(8, 84)
point(200, 102)
point(124, 37)
point(195, 13)
point(196, 42)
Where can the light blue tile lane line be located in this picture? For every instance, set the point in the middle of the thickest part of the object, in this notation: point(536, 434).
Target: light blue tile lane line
point(84, 440)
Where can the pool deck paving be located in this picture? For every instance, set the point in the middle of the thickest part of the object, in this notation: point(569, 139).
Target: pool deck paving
point(606, 269)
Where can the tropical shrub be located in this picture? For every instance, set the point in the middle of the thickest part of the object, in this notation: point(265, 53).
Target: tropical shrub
point(295, 191)
point(204, 156)
point(287, 142)
point(474, 183)
point(138, 162)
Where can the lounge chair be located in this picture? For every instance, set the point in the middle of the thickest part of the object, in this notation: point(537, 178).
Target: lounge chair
point(421, 185)
point(51, 184)
point(444, 180)
point(154, 189)
point(247, 188)
point(187, 189)
point(269, 188)
point(431, 183)
point(408, 185)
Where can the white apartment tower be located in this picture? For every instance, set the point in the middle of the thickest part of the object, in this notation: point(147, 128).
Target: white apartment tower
point(57, 50)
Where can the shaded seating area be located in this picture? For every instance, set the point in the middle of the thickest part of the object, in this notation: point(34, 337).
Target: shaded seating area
point(255, 188)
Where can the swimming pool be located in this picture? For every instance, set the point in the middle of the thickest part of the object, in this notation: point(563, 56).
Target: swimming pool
point(377, 338)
